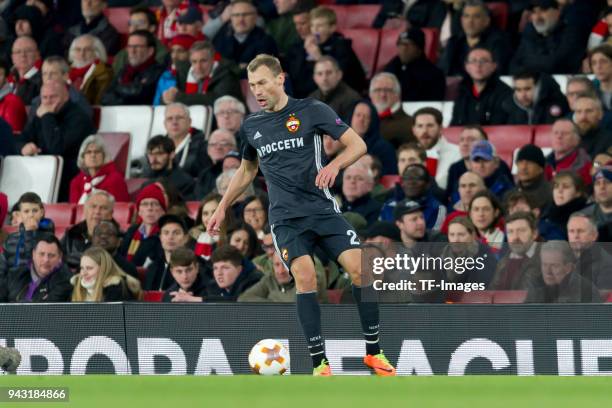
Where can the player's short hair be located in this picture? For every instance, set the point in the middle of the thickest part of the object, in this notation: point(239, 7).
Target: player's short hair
point(523, 215)
point(466, 222)
point(182, 257)
point(415, 147)
point(324, 12)
point(227, 253)
point(265, 60)
point(428, 110)
point(202, 46)
point(164, 143)
point(29, 198)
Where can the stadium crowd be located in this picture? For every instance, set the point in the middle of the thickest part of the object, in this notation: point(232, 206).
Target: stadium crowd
point(542, 215)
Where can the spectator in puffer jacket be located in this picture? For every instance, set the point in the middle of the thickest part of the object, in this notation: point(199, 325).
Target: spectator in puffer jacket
point(233, 275)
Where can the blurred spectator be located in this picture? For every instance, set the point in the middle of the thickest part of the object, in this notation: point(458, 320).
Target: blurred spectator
point(205, 242)
point(420, 79)
point(410, 219)
point(482, 93)
point(160, 159)
point(418, 13)
point(98, 172)
point(12, 109)
point(440, 152)
point(101, 280)
point(98, 207)
point(531, 177)
point(601, 209)
point(190, 152)
point(25, 75)
point(569, 196)
point(173, 234)
point(29, 21)
point(255, 213)
point(220, 143)
point(59, 128)
point(484, 161)
point(179, 52)
point(324, 40)
point(229, 112)
point(241, 40)
point(107, 235)
point(549, 44)
point(558, 281)
point(469, 184)
point(357, 184)
point(30, 218)
point(588, 115)
point(89, 72)
point(537, 99)
point(278, 286)
point(477, 31)
point(281, 28)
point(331, 89)
point(566, 152)
point(385, 94)
point(244, 238)
point(365, 121)
point(45, 279)
point(233, 275)
point(593, 261)
point(410, 153)
point(95, 23)
point(189, 285)
point(520, 266)
point(576, 86)
point(205, 78)
point(167, 15)
point(600, 34)
point(7, 140)
point(301, 23)
point(601, 64)
point(417, 186)
point(142, 18)
point(190, 22)
point(485, 212)
point(516, 201)
point(141, 239)
point(601, 160)
point(135, 84)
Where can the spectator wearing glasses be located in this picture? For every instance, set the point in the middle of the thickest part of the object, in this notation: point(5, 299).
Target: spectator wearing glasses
point(229, 113)
point(89, 72)
point(220, 143)
point(179, 51)
point(25, 76)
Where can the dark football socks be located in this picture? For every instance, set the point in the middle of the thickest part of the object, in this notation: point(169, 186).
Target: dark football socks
point(368, 313)
point(309, 315)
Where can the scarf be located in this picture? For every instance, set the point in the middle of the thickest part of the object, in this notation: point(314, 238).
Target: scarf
point(137, 238)
point(193, 86)
point(14, 78)
point(78, 76)
point(204, 245)
point(90, 186)
point(130, 72)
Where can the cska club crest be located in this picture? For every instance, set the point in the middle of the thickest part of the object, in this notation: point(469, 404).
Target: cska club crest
point(293, 123)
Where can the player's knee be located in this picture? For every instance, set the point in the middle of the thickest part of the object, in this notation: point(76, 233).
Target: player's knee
point(305, 276)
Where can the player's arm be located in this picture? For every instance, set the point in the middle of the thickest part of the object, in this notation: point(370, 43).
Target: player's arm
point(355, 147)
point(244, 176)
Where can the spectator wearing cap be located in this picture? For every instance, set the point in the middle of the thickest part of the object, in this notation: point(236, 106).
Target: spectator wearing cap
point(331, 89)
point(12, 109)
point(107, 235)
point(167, 15)
point(566, 152)
point(204, 78)
point(141, 239)
point(382, 232)
point(531, 178)
point(220, 143)
point(89, 72)
point(357, 185)
point(25, 76)
point(135, 84)
point(481, 93)
point(233, 275)
point(395, 124)
point(94, 22)
point(142, 18)
point(420, 79)
point(190, 152)
point(485, 162)
point(477, 31)
point(190, 23)
point(173, 234)
point(601, 209)
point(179, 52)
point(189, 283)
point(416, 186)
point(537, 99)
point(595, 137)
point(441, 154)
point(548, 43)
point(29, 21)
point(409, 218)
point(240, 40)
point(160, 159)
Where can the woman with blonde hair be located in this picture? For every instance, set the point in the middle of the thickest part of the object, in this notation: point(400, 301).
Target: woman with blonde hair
point(101, 280)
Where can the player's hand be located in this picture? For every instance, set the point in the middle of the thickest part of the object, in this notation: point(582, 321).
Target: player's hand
point(214, 224)
point(327, 176)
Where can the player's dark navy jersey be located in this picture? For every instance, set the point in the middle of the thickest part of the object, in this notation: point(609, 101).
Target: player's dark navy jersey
point(289, 147)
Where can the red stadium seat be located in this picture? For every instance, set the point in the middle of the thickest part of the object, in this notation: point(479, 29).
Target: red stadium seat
point(334, 296)
point(509, 296)
point(193, 207)
point(118, 17)
point(361, 15)
point(452, 133)
point(542, 135)
point(365, 45)
point(142, 271)
point(153, 295)
point(9, 229)
point(469, 297)
point(341, 15)
point(452, 88)
point(60, 231)
point(508, 138)
point(388, 47)
point(96, 116)
point(390, 180)
point(133, 185)
point(122, 213)
point(118, 146)
point(499, 14)
point(61, 214)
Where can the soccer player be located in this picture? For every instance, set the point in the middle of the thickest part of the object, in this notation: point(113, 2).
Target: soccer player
point(285, 139)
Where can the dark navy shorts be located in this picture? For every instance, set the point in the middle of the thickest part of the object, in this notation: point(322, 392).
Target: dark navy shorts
point(298, 236)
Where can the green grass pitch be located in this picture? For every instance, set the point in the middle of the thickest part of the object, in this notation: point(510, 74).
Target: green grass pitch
point(308, 392)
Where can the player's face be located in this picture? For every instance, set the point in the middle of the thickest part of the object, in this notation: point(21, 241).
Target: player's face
point(255, 215)
point(89, 269)
point(280, 272)
point(554, 269)
point(362, 116)
point(225, 273)
point(266, 87)
point(185, 276)
point(172, 236)
point(426, 130)
point(240, 241)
